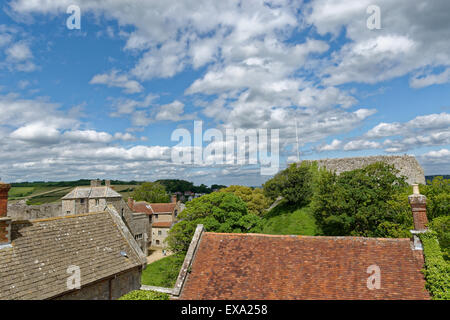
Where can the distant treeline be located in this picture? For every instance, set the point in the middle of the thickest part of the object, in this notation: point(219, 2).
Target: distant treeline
point(171, 185)
point(176, 185)
point(81, 182)
point(428, 179)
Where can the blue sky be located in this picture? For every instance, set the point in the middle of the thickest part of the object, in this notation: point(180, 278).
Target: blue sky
point(103, 101)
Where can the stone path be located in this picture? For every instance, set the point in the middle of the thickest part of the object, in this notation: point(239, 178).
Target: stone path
point(157, 255)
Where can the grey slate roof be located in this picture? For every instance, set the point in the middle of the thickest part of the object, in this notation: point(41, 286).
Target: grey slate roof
point(91, 192)
point(35, 266)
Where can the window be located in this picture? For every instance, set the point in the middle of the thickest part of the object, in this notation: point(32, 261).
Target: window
point(159, 232)
point(81, 201)
point(122, 213)
point(156, 216)
point(138, 236)
point(97, 202)
point(68, 212)
point(157, 241)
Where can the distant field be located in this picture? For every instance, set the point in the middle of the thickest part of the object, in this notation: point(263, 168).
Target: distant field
point(288, 220)
point(40, 195)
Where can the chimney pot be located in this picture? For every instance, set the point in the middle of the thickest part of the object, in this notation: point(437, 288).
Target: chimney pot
point(416, 188)
point(174, 198)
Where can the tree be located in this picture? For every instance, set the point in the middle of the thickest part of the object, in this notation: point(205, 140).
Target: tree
point(253, 197)
point(219, 212)
point(362, 202)
point(152, 192)
point(295, 184)
point(438, 197)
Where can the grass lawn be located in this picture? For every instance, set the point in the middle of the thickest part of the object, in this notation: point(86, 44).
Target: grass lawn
point(164, 272)
point(289, 220)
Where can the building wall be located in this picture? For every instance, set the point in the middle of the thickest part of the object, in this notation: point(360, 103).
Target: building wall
point(407, 165)
point(137, 223)
point(21, 211)
point(159, 237)
point(162, 218)
point(116, 286)
point(97, 204)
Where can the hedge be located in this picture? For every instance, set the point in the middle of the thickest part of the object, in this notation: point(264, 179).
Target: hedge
point(145, 295)
point(437, 270)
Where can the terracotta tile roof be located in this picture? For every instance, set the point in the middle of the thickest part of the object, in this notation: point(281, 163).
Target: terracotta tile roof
point(151, 208)
point(253, 266)
point(92, 192)
point(162, 224)
point(35, 266)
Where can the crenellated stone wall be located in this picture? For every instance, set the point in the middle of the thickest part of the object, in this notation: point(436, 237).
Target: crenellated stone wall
point(406, 164)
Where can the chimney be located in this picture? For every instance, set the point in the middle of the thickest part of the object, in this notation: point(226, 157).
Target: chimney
point(95, 183)
point(418, 204)
point(5, 222)
point(174, 198)
point(108, 183)
point(130, 203)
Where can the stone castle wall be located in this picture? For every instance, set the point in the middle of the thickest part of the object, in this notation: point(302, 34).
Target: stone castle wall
point(21, 211)
point(406, 164)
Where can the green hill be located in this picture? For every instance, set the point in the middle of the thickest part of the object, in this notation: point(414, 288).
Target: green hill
point(290, 220)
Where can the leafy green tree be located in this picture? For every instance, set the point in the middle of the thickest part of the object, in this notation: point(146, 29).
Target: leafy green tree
point(362, 202)
point(152, 192)
point(295, 184)
point(218, 212)
point(438, 197)
point(253, 197)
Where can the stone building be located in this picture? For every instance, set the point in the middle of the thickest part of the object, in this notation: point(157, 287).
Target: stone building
point(90, 256)
point(161, 216)
point(96, 197)
point(406, 164)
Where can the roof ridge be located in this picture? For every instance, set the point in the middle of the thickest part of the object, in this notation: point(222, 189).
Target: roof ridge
point(61, 217)
point(305, 236)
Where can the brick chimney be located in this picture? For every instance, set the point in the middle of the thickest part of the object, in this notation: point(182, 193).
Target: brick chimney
point(174, 198)
point(130, 203)
point(418, 204)
point(95, 183)
point(5, 222)
point(108, 183)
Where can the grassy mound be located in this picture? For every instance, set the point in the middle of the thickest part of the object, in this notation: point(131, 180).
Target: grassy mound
point(290, 220)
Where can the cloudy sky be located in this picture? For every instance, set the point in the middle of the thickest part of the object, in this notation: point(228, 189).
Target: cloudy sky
point(102, 101)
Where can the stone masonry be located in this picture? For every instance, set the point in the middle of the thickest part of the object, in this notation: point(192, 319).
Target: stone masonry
point(406, 164)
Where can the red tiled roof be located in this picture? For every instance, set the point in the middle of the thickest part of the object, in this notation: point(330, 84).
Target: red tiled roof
point(151, 208)
point(163, 207)
point(163, 224)
point(255, 266)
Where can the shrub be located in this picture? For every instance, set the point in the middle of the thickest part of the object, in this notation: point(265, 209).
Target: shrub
point(145, 295)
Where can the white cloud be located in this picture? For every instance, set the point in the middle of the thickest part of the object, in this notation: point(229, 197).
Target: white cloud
point(114, 79)
point(420, 81)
